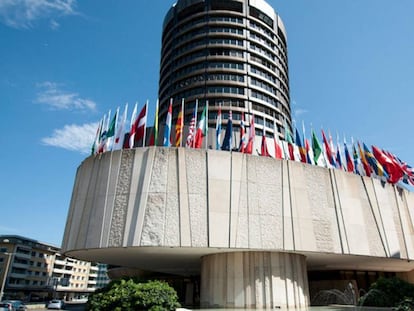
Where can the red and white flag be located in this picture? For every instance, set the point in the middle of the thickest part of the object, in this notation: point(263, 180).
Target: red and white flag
point(138, 128)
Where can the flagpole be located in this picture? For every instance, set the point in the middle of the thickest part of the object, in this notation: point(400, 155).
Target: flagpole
point(182, 122)
point(145, 125)
point(195, 123)
point(206, 125)
point(156, 123)
point(112, 142)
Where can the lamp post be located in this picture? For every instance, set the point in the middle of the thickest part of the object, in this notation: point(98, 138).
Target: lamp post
point(6, 271)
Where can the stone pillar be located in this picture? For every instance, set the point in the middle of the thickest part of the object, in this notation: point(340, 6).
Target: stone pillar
point(254, 280)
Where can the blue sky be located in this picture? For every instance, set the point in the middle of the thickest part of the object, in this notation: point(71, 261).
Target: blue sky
point(65, 63)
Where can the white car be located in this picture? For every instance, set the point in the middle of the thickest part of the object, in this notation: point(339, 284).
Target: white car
point(12, 305)
point(55, 304)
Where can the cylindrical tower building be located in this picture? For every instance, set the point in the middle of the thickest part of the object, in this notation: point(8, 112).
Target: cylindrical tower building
point(231, 53)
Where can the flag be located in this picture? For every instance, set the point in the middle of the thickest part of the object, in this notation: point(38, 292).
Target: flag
point(264, 152)
point(120, 130)
point(137, 132)
point(306, 145)
point(408, 177)
point(301, 146)
point(167, 129)
point(338, 155)
point(111, 130)
point(278, 149)
point(201, 129)
point(179, 126)
point(328, 150)
point(317, 151)
point(95, 144)
point(154, 134)
point(252, 134)
point(348, 159)
point(309, 152)
point(191, 129)
point(242, 144)
point(357, 160)
point(130, 143)
point(378, 168)
point(289, 140)
point(104, 138)
point(367, 167)
point(227, 141)
point(407, 171)
point(394, 171)
point(218, 129)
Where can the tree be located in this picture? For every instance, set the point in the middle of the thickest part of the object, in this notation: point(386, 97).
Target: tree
point(128, 294)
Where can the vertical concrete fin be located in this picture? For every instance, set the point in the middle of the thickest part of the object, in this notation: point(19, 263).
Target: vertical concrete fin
point(96, 194)
point(185, 231)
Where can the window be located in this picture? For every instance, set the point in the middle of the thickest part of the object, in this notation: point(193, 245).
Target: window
point(261, 16)
point(227, 5)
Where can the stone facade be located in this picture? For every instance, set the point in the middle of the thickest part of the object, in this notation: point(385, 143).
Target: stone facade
point(162, 209)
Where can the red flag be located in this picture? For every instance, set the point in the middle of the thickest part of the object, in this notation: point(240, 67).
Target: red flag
point(349, 162)
point(138, 127)
point(394, 171)
point(242, 135)
point(179, 128)
point(328, 150)
point(264, 152)
point(252, 134)
point(278, 149)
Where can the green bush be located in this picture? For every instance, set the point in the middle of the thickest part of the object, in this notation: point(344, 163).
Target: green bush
point(387, 292)
point(405, 305)
point(127, 294)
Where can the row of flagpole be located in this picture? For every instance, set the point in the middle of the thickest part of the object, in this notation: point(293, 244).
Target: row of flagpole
point(113, 134)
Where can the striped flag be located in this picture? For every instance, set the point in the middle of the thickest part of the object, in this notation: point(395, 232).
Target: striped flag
point(137, 132)
point(167, 129)
point(218, 129)
point(242, 145)
point(191, 129)
point(179, 126)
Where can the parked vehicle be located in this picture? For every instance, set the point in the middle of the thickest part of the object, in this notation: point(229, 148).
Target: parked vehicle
point(55, 304)
point(12, 305)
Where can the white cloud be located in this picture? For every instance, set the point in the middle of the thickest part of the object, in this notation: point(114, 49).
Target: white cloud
point(73, 137)
point(52, 96)
point(22, 14)
point(299, 111)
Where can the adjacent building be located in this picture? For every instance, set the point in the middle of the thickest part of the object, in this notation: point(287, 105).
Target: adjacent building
point(35, 271)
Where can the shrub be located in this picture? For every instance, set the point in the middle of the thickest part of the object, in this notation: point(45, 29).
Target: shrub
point(127, 294)
point(406, 305)
point(387, 292)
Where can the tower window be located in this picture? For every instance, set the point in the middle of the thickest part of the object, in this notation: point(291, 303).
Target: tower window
point(261, 16)
point(227, 5)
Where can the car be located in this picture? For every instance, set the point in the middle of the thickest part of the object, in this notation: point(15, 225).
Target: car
point(55, 304)
point(12, 305)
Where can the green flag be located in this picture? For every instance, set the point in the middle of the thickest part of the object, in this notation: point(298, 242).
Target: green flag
point(316, 147)
point(111, 128)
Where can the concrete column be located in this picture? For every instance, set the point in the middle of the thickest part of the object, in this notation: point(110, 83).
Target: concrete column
point(254, 280)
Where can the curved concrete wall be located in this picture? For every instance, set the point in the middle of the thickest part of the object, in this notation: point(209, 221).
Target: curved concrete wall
point(163, 209)
point(168, 197)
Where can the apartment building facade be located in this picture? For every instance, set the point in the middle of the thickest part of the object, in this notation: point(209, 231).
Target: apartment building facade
point(35, 271)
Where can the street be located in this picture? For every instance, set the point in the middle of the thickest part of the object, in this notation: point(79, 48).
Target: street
point(68, 307)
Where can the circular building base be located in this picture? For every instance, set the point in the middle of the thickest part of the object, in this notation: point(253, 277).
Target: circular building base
point(254, 280)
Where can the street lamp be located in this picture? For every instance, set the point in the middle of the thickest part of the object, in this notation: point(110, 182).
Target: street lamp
point(6, 270)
